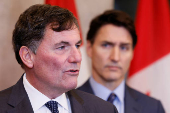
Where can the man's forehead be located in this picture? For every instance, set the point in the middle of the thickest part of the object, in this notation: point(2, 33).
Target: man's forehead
point(72, 32)
point(67, 38)
point(113, 33)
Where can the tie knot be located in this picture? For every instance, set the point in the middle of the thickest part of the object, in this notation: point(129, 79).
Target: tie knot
point(111, 98)
point(52, 106)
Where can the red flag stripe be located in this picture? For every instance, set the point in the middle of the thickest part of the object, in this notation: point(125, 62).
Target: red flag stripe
point(153, 30)
point(69, 4)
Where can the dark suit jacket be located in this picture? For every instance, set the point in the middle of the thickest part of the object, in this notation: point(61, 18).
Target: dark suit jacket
point(15, 100)
point(135, 102)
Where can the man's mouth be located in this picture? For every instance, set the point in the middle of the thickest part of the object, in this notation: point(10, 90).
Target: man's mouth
point(113, 68)
point(73, 71)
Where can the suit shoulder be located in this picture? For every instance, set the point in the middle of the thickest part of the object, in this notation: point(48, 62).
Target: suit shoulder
point(147, 102)
point(95, 103)
point(86, 87)
point(141, 96)
point(4, 94)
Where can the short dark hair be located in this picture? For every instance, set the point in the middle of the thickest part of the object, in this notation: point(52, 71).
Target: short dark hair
point(30, 27)
point(115, 17)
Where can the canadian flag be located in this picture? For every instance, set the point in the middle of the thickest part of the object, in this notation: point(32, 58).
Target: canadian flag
point(150, 67)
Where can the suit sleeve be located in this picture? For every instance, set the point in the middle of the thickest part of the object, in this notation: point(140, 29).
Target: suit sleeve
point(160, 108)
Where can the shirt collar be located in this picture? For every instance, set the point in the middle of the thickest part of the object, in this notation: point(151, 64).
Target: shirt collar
point(38, 99)
point(62, 100)
point(103, 92)
point(99, 90)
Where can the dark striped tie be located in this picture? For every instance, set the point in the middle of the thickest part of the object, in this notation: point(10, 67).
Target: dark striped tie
point(111, 98)
point(52, 106)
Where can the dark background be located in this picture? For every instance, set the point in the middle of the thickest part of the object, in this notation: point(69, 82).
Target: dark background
point(128, 6)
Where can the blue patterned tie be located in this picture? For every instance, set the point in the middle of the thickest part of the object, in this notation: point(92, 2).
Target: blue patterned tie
point(52, 106)
point(111, 98)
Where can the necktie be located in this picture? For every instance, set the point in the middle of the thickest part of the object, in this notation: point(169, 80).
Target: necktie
point(111, 98)
point(52, 106)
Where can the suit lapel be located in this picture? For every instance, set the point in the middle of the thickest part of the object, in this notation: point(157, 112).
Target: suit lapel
point(131, 105)
point(19, 100)
point(76, 102)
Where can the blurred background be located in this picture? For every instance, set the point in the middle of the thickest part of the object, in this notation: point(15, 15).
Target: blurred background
point(150, 68)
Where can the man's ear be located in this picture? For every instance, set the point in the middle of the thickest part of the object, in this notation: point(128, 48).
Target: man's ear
point(89, 49)
point(26, 56)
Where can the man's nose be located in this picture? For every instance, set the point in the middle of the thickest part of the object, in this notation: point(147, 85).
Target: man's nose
point(115, 54)
point(75, 55)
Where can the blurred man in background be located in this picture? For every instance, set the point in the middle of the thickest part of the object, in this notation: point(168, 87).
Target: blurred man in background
point(46, 43)
point(111, 40)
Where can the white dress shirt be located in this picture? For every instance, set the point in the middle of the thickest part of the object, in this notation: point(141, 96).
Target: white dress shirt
point(38, 99)
point(103, 92)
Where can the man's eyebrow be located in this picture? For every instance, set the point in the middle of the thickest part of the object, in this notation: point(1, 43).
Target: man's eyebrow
point(79, 42)
point(107, 42)
point(122, 43)
point(62, 42)
point(125, 44)
point(67, 43)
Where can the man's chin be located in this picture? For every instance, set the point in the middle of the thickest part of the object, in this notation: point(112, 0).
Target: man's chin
point(71, 86)
point(113, 77)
